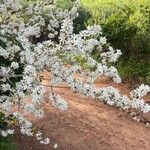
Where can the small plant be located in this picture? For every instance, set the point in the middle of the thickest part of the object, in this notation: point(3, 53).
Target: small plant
point(7, 144)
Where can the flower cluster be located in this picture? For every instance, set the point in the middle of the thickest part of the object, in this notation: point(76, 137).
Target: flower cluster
point(7, 132)
point(39, 36)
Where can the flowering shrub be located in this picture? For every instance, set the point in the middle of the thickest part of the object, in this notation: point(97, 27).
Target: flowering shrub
point(36, 37)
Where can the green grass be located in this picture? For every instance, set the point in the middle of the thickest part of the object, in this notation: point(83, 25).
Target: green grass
point(6, 143)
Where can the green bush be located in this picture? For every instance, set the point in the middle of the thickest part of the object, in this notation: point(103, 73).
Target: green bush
point(7, 144)
point(132, 69)
point(126, 24)
point(64, 4)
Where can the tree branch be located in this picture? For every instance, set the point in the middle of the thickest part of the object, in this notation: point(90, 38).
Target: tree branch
point(11, 75)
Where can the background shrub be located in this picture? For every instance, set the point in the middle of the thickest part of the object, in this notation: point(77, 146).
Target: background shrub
point(7, 144)
point(126, 24)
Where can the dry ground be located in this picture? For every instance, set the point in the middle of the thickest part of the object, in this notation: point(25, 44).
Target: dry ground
point(88, 125)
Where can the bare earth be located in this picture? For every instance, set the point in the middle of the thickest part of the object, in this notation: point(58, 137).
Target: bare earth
point(88, 125)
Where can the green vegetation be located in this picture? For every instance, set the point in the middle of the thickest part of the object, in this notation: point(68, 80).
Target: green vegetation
point(126, 24)
point(6, 143)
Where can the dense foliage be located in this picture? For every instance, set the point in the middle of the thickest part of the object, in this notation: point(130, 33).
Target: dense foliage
point(126, 24)
point(6, 143)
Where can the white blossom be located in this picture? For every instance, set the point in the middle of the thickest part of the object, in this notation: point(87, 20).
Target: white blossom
point(14, 65)
point(55, 146)
point(4, 133)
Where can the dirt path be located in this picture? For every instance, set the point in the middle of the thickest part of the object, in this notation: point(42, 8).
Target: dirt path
point(88, 125)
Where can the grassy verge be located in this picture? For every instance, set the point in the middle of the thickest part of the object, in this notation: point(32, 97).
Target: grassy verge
point(6, 143)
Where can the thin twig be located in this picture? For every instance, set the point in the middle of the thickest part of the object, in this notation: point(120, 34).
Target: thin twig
point(55, 86)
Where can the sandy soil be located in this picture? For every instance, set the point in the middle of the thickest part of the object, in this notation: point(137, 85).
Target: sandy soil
point(89, 125)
